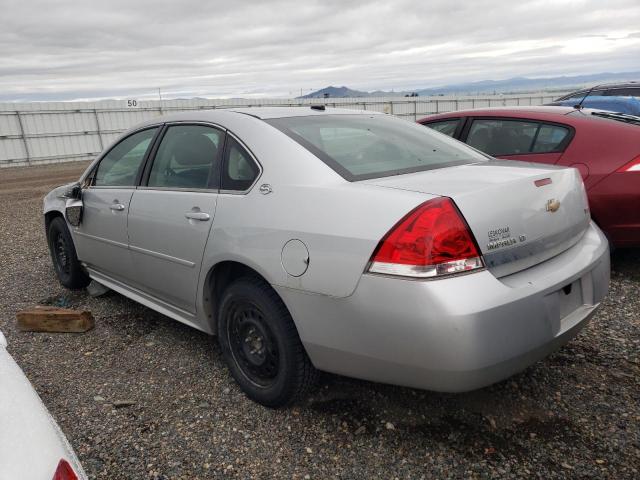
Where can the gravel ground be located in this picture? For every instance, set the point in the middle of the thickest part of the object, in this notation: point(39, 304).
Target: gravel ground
point(144, 397)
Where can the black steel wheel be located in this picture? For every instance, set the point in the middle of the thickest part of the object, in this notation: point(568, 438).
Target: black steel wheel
point(63, 254)
point(261, 346)
point(252, 343)
point(60, 253)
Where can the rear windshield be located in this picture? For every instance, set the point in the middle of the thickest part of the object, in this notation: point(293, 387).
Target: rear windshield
point(360, 147)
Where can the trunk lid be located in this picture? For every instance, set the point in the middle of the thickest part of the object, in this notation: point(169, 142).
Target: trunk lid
point(520, 213)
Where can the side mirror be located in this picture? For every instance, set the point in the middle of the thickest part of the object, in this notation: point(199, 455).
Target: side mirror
point(74, 192)
point(73, 212)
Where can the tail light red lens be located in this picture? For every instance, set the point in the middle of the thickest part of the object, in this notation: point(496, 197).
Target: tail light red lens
point(430, 241)
point(632, 166)
point(64, 471)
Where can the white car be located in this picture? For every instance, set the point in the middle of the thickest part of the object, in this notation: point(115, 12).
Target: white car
point(32, 446)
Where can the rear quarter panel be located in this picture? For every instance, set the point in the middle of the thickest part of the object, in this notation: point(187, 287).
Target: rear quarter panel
point(603, 146)
point(340, 222)
point(340, 225)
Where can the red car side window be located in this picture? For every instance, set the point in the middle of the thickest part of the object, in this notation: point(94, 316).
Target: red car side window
point(516, 137)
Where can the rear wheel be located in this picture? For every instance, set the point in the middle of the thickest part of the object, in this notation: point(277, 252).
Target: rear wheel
point(261, 346)
point(63, 253)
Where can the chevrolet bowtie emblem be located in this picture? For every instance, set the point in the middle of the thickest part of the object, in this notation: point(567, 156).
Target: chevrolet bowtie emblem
point(553, 205)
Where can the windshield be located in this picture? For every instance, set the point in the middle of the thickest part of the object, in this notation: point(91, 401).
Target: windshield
point(360, 147)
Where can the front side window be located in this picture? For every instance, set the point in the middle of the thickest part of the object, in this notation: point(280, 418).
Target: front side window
point(119, 167)
point(186, 158)
point(239, 170)
point(360, 147)
point(448, 127)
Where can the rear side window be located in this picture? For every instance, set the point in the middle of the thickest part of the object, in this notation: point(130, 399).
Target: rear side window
point(186, 158)
point(239, 170)
point(550, 138)
point(514, 137)
point(359, 147)
point(578, 96)
point(119, 167)
point(448, 127)
point(623, 92)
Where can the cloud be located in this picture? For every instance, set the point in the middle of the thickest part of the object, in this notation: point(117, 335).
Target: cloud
point(90, 49)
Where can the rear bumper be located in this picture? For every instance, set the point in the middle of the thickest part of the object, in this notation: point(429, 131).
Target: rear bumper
point(454, 334)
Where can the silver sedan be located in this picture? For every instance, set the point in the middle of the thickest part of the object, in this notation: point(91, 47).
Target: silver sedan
point(350, 242)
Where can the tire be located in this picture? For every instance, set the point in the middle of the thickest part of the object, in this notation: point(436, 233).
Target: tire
point(63, 254)
point(261, 346)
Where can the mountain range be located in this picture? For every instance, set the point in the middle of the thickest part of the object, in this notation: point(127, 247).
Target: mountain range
point(511, 85)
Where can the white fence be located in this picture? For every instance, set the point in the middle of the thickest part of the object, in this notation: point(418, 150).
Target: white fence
point(37, 133)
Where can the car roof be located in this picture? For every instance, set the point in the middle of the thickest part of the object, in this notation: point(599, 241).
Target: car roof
point(608, 86)
point(492, 111)
point(265, 113)
point(224, 116)
point(565, 115)
point(600, 88)
point(546, 112)
point(216, 115)
point(517, 112)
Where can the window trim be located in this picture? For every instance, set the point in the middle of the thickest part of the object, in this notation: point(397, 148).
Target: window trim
point(144, 178)
point(90, 175)
point(222, 166)
point(457, 132)
point(562, 146)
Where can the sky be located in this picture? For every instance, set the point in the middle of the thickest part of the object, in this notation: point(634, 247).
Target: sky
point(66, 50)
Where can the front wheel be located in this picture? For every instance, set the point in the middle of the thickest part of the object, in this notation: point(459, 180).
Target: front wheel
point(63, 254)
point(260, 344)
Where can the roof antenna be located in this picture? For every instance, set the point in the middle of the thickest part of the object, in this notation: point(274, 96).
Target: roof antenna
point(579, 105)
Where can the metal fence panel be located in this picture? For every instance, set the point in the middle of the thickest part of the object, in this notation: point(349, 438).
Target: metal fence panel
point(9, 125)
point(12, 150)
point(47, 132)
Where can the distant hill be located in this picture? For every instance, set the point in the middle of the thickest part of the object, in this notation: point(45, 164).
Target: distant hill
point(336, 92)
point(510, 85)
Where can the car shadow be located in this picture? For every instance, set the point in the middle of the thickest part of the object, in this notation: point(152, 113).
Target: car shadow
point(626, 262)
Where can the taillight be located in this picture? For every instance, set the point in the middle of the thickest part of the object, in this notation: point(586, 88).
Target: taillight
point(64, 471)
point(430, 241)
point(632, 166)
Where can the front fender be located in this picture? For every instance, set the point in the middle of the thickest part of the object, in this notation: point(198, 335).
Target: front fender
point(54, 201)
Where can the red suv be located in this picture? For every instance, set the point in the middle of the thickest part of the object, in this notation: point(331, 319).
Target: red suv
point(603, 146)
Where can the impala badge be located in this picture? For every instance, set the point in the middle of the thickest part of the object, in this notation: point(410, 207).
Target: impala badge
point(553, 205)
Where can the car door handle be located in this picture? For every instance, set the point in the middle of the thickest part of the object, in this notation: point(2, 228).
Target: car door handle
point(117, 207)
point(203, 217)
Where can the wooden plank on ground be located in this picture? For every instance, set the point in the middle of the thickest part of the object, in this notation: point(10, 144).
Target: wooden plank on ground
point(54, 319)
